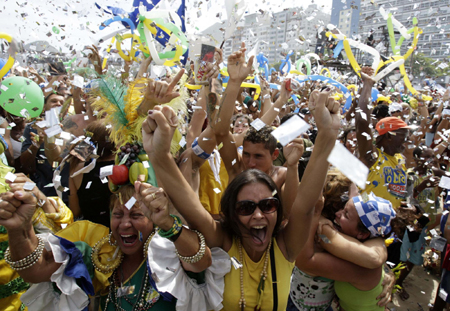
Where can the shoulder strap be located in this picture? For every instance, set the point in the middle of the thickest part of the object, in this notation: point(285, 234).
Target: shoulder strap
point(274, 278)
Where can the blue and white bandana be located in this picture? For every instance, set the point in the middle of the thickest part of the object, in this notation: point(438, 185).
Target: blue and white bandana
point(375, 213)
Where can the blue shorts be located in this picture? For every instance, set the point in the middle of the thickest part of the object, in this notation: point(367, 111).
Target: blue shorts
point(415, 249)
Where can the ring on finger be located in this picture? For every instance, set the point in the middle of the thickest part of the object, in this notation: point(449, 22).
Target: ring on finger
point(154, 196)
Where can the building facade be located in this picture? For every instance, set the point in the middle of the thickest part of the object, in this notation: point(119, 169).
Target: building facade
point(292, 29)
point(345, 14)
point(433, 17)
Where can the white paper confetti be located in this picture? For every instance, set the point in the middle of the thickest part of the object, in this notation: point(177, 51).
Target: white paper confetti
point(290, 130)
point(130, 203)
point(10, 177)
point(349, 165)
point(106, 171)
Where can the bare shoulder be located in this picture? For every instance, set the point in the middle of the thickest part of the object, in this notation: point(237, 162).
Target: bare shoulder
point(279, 175)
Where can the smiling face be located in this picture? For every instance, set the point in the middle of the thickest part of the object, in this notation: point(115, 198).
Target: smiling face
point(126, 225)
point(347, 221)
point(257, 229)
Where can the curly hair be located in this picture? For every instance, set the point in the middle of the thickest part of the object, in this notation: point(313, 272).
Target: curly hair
point(262, 136)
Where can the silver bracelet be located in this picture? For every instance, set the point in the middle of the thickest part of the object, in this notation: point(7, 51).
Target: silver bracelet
point(28, 261)
point(201, 252)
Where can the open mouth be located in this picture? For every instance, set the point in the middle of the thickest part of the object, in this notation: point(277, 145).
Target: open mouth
point(259, 234)
point(129, 239)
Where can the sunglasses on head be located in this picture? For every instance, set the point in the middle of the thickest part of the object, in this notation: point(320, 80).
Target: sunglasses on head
point(267, 206)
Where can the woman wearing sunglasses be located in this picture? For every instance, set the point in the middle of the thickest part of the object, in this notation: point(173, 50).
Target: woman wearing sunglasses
point(262, 252)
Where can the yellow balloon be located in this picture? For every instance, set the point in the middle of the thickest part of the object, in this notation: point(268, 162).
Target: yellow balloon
point(252, 85)
point(11, 60)
point(193, 86)
point(325, 69)
point(136, 40)
point(297, 72)
point(351, 57)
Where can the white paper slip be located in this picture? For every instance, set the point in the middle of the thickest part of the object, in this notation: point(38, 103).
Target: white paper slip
point(258, 124)
point(290, 130)
point(349, 165)
point(2, 131)
point(42, 124)
point(65, 135)
point(445, 182)
point(78, 81)
point(29, 186)
point(10, 176)
point(54, 130)
point(130, 203)
point(106, 171)
point(51, 117)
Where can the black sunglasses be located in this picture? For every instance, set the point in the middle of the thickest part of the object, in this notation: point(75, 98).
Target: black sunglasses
point(267, 206)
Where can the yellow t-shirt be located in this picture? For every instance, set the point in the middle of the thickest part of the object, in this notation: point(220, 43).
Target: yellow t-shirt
point(387, 178)
point(209, 198)
point(252, 275)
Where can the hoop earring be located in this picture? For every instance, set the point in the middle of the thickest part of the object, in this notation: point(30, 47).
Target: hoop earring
point(109, 240)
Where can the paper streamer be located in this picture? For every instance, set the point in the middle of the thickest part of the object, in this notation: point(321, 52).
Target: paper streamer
point(11, 60)
point(303, 62)
point(286, 62)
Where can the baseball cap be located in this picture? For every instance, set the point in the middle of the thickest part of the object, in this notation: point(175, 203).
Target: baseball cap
point(390, 124)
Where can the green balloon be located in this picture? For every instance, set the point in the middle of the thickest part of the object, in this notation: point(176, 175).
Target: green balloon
point(21, 97)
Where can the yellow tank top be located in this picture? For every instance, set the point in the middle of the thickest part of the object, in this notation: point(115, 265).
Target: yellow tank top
point(252, 275)
point(209, 198)
point(388, 178)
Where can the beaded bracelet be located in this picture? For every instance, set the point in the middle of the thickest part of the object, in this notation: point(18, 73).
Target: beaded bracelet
point(174, 232)
point(28, 261)
point(201, 252)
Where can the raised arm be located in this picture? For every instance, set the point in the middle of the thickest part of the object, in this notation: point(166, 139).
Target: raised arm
point(363, 120)
point(154, 202)
point(326, 114)
point(157, 132)
point(371, 254)
point(16, 213)
point(238, 69)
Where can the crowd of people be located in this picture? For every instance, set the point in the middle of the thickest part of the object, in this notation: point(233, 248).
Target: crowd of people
point(133, 193)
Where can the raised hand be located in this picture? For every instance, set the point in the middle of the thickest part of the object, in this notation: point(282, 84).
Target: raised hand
point(238, 68)
point(294, 151)
point(367, 74)
point(284, 94)
point(17, 209)
point(158, 129)
point(325, 110)
point(161, 92)
point(154, 203)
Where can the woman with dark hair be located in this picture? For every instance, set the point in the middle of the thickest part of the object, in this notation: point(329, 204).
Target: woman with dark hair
point(252, 211)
